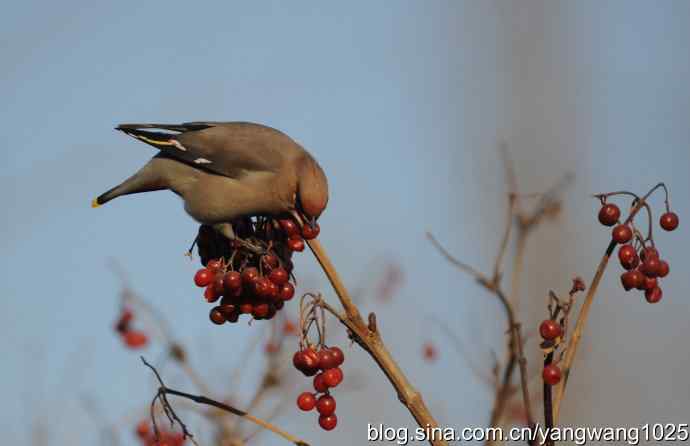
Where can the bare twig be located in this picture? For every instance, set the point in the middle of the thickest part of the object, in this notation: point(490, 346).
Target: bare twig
point(515, 344)
point(163, 391)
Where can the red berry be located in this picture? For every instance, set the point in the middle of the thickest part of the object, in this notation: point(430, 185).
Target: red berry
point(311, 357)
point(218, 284)
point(338, 355)
point(551, 374)
point(232, 317)
point(325, 405)
point(290, 227)
point(272, 348)
point(632, 279)
point(249, 275)
point(246, 308)
point(309, 232)
point(295, 244)
point(260, 311)
point(649, 251)
point(326, 359)
point(298, 360)
point(663, 269)
point(609, 214)
point(216, 316)
point(273, 292)
point(230, 299)
point(319, 385)
point(279, 305)
point(328, 422)
point(622, 234)
point(649, 283)
point(653, 295)
point(211, 294)
point(203, 277)
point(429, 352)
point(232, 281)
point(287, 291)
point(135, 339)
point(272, 310)
point(214, 265)
point(333, 377)
point(227, 309)
point(261, 287)
point(306, 401)
point(270, 261)
point(628, 257)
point(650, 267)
point(289, 328)
point(669, 221)
point(306, 361)
point(279, 276)
point(550, 329)
point(143, 429)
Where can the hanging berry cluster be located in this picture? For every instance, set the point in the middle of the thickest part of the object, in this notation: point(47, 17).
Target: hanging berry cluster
point(147, 437)
point(319, 361)
point(553, 329)
point(252, 274)
point(132, 338)
point(638, 254)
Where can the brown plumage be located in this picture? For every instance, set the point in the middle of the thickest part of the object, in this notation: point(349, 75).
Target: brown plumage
point(227, 170)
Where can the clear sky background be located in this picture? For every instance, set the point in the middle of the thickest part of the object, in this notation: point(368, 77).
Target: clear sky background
point(404, 104)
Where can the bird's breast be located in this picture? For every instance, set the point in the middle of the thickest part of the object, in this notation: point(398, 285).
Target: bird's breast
point(218, 199)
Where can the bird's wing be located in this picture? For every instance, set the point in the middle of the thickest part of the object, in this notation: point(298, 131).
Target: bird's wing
point(230, 149)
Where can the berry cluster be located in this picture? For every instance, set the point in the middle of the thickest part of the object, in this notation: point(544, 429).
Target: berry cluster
point(134, 339)
point(258, 291)
point(638, 255)
point(324, 366)
point(165, 438)
point(251, 274)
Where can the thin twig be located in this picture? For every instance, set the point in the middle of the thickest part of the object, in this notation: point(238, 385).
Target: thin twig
point(548, 402)
point(515, 343)
point(163, 391)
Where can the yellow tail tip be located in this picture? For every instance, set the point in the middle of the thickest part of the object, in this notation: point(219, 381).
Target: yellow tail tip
point(94, 203)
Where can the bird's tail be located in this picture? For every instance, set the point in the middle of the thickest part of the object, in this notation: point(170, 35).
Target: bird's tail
point(147, 179)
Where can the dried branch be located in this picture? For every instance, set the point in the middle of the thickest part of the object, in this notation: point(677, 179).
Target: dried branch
point(515, 343)
point(372, 343)
point(163, 391)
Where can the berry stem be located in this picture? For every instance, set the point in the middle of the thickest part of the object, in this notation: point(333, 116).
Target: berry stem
point(571, 348)
point(372, 343)
point(548, 401)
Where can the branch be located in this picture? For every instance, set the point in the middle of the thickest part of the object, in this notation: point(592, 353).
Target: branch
point(515, 345)
point(370, 340)
point(589, 299)
point(163, 391)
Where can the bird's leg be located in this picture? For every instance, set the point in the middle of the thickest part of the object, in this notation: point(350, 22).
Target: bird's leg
point(191, 248)
point(226, 230)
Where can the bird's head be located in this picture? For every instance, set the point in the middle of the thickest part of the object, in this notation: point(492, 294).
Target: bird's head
point(312, 189)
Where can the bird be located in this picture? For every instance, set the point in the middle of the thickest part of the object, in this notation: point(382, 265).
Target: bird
point(227, 170)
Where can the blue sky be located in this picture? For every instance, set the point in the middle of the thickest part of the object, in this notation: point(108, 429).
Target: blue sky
point(403, 105)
